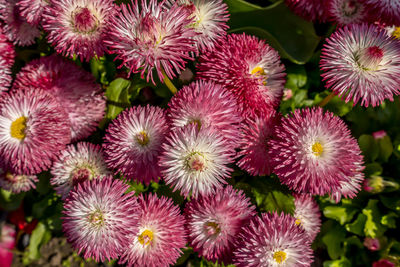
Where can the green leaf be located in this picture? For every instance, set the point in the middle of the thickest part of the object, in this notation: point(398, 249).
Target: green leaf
point(389, 220)
point(40, 235)
point(373, 228)
point(43, 186)
point(369, 147)
point(186, 254)
point(391, 202)
point(333, 240)
point(357, 227)
point(373, 169)
point(340, 214)
point(293, 37)
point(275, 201)
point(343, 262)
point(296, 77)
point(10, 201)
point(117, 94)
point(385, 148)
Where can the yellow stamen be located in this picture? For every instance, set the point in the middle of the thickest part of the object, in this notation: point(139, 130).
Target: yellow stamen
point(17, 129)
point(396, 33)
point(145, 237)
point(142, 138)
point(96, 218)
point(297, 222)
point(212, 228)
point(258, 71)
point(317, 149)
point(279, 256)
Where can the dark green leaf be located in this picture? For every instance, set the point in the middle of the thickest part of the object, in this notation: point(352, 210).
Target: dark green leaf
point(343, 262)
point(117, 94)
point(333, 240)
point(369, 147)
point(340, 214)
point(385, 148)
point(373, 227)
point(357, 227)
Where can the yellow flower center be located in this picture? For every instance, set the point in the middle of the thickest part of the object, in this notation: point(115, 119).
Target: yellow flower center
point(279, 256)
point(96, 218)
point(142, 138)
point(258, 71)
point(145, 237)
point(196, 162)
point(17, 129)
point(297, 222)
point(317, 149)
point(212, 228)
point(396, 33)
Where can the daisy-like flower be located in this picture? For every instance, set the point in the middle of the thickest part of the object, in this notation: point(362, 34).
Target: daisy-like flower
point(273, 240)
point(133, 143)
point(387, 11)
point(32, 10)
point(349, 189)
point(210, 17)
point(254, 144)
point(16, 28)
point(74, 88)
point(33, 129)
point(344, 12)
point(99, 217)
point(361, 63)
point(208, 105)
point(249, 68)
point(77, 164)
point(307, 215)
point(213, 222)
point(149, 36)
point(79, 27)
point(7, 50)
point(159, 235)
point(195, 160)
point(5, 76)
point(313, 152)
point(17, 183)
point(312, 10)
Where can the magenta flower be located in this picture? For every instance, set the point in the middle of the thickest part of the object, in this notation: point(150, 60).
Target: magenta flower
point(159, 235)
point(133, 143)
point(254, 144)
point(32, 10)
point(312, 10)
point(74, 88)
point(17, 183)
point(387, 11)
point(361, 63)
point(208, 105)
point(213, 222)
point(33, 129)
point(195, 160)
point(313, 152)
point(77, 164)
point(273, 240)
point(350, 188)
point(307, 215)
point(372, 244)
point(383, 263)
point(99, 217)
point(379, 134)
point(7, 243)
point(345, 12)
point(149, 36)
point(7, 50)
point(249, 68)
point(16, 28)
point(79, 27)
point(5, 76)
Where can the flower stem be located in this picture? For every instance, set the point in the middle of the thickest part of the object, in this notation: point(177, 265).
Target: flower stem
point(326, 99)
point(168, 82)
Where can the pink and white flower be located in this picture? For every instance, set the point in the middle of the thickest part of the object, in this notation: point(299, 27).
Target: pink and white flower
point(345, 12)
point(307, 215)
point(312, 10)
point(17, 183)
point(32, 10)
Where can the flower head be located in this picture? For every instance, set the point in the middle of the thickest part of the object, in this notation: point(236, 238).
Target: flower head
point(195, 160)
point(345, 12)
point(75, 89)
point(387, 11)
point(207, 105)
point(349, 188)
point(79, 27)
point(33, 129)
point(99, 217)
point(249, 68)
point(7, 50)
point(5, 76)
point(273, 240)
point(383, 263)
point(133, 143)
point(312, 10)
point(254, 144)
point(307, 215)
point(361, 62)
point(213, 222)
point(313, 152)
point(77, 164)
point(32, 10)
point(372, 244)
point(17, 183)
point(159, 235)
point(149, 36)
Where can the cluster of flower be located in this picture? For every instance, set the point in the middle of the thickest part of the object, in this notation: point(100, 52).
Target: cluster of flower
point(227, 114)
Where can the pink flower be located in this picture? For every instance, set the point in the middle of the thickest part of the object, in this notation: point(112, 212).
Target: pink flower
point(133, 143)
point(207, 105)
point(313, 152)
point(361, 63)
point(273, 240)
point(213, 222)
point(32, 10)
point(5, 76)
point(387, 11)
point(149, 36)
point(308, 9)
point(33, 129)
point(307, 215)
point(372, 243)
point(17, 183)
point(379, 134)
point(7, 50)
point(79, 27)
point(7, 243)
point(99, 217)
point(74, 88)
point(249, 68)
point(383, 263)
point(345, 12)
point(159, 235)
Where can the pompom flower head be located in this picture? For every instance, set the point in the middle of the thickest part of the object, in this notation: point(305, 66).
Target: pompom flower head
point(273, 240)
point(32, 10)
point(195, 160)
point(249, 68)
point(98, 217)
point(159, 235)
point(77, 164)
point(307, 215)
point(387, 11)
point(133, 143)
point(254, 143)
point(75, 89)
point(149, 36)
point(7, 50)
point(312, 10)
point(5, 76)
point(208, 105)
point(33, 129)
point(313, 152)
point(345, 12)
point(361, 63)
point(213, 222)
point(17, 183)
point(79, 27)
